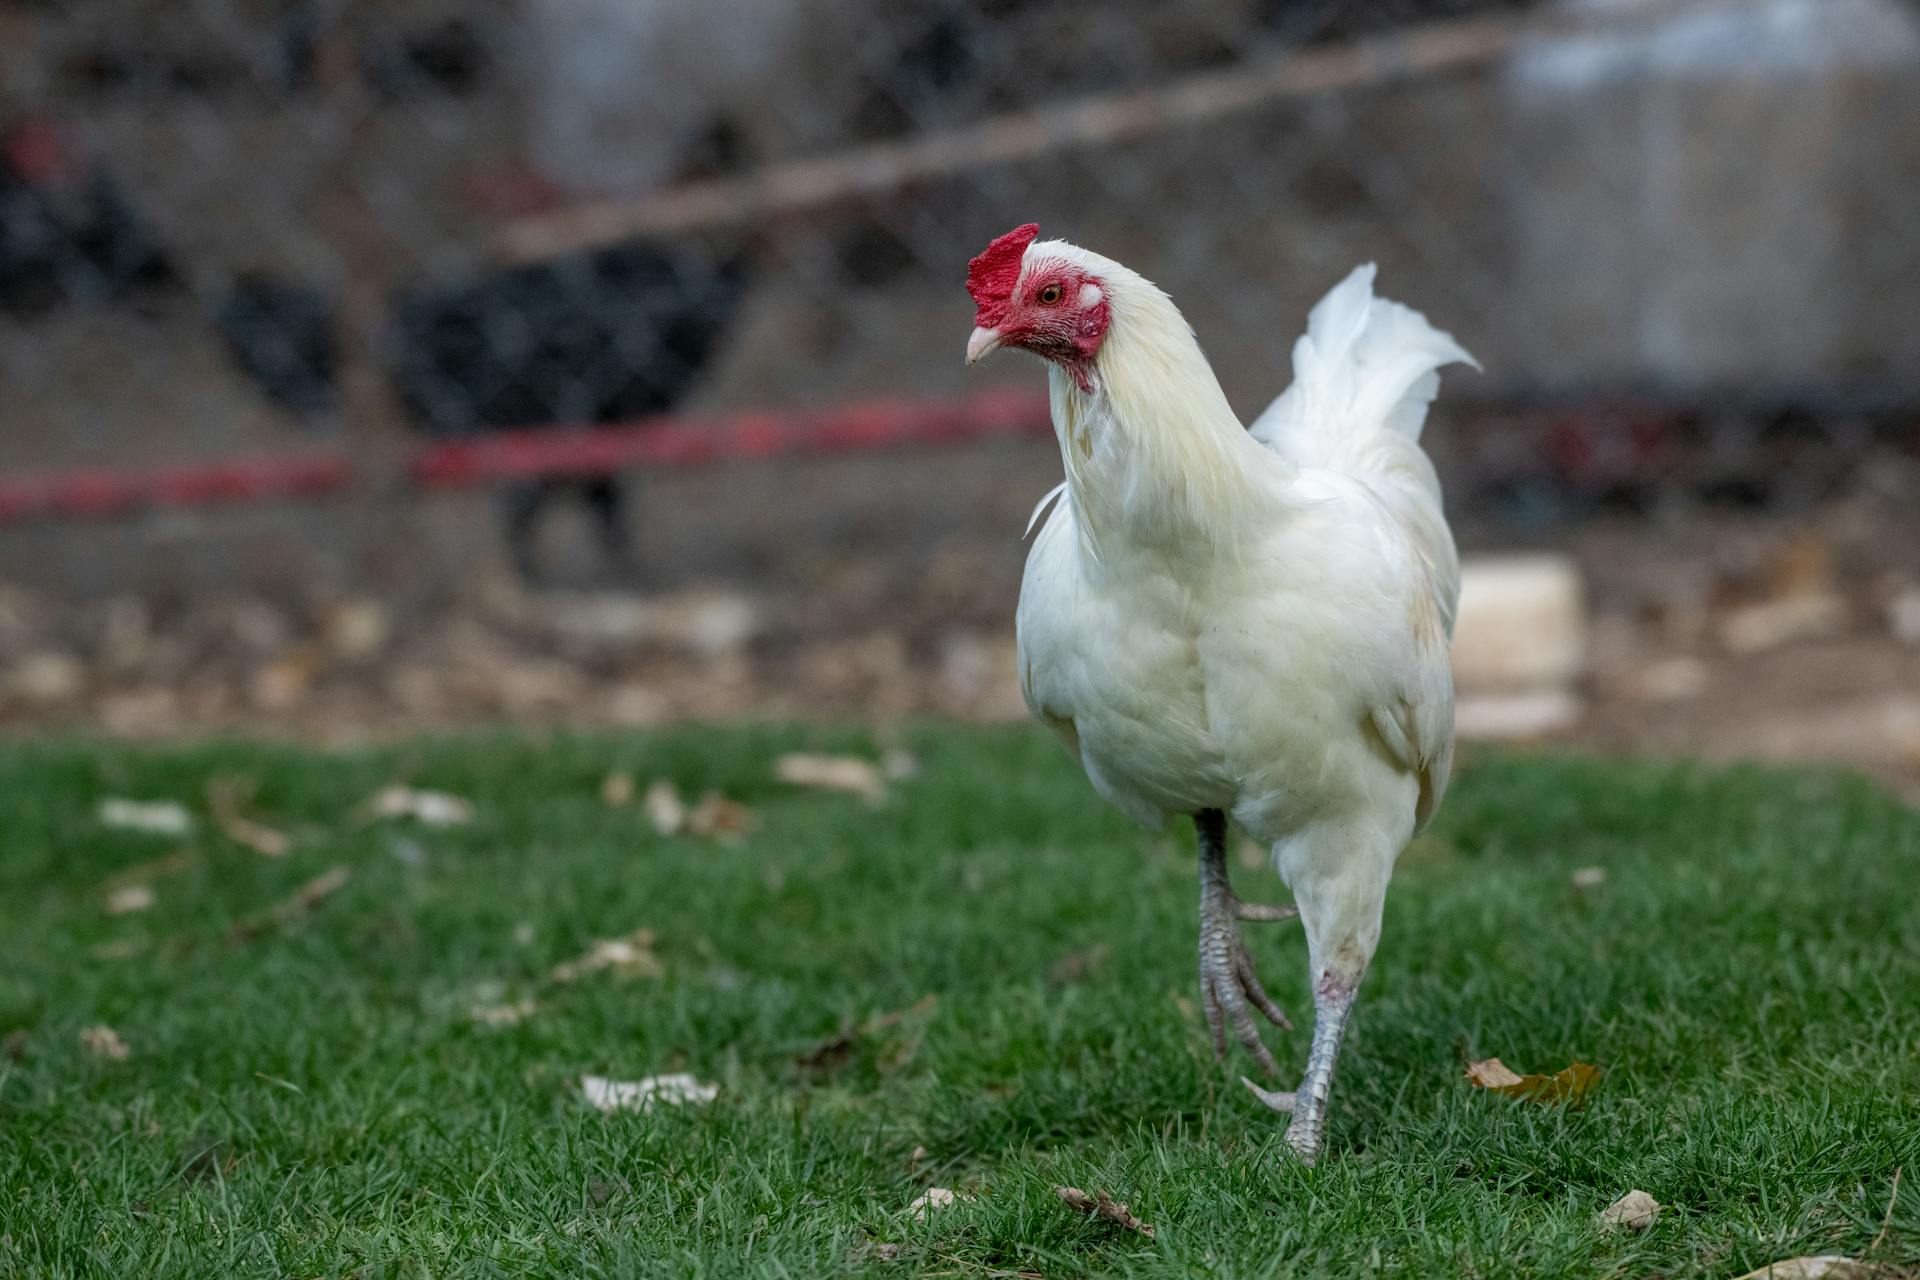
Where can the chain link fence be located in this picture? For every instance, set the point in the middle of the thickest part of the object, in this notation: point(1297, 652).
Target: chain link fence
point(1678, 234)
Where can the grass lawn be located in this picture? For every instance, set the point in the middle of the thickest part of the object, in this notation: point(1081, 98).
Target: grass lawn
point(310, 1094)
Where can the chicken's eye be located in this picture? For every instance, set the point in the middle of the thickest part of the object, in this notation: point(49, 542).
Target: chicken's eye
point(1050, 295)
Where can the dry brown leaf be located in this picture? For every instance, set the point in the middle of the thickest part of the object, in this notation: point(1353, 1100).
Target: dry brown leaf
point(616, 790)
point(836, 1048)
point(227, 800)
point(1075, 966)
point(430, 808)
point(833, 773)
point(149, 817)
point(129, 898)
point(1571, 1084)
point(628, 957)
point(664, 809)
point(103, 1041)
point(1635, 1211)
point(1101, 1205)
point(1825, 1267)
point(299, 903)
point(638, 1095)
point(152, 869)
point(718, 818)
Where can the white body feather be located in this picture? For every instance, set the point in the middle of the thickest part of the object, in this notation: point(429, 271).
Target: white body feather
point(1255, 621)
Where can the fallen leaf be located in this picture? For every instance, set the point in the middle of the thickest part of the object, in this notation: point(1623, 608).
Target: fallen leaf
point(1635, 1211)
point(1825, 1267)
point(1101, 1205)
point(104, 1042)
point(1076, 965)
point(616, 790)
point(1569, 1085)
point(129, 898)
point(502, 1015)
point(291, 908)
point(836, 1048)
point(628, 957)
point(833, 773)
point(152, 869)
point(930, 1199)
point(150, 817)
point(432, 808)
point(718, 818)
point(226, 800)
point(639, 1095)
point(1589, 877)
point(664, 809)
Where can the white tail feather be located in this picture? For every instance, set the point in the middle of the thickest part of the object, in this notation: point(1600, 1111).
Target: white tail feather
point(1364, 365)
point(1363, 375)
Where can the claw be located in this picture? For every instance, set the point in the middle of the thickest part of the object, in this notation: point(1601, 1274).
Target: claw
point(1282, 1102)
point(1250, 983)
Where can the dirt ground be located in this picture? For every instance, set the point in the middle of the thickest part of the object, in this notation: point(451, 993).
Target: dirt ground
point(876, 588)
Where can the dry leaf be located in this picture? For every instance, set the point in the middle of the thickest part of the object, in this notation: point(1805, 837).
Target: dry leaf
point(502, 1015)
point(663, 807)
point(1635, 1211)
point(104, 1042)
point(151, 817)
point(1572, 1084)
point(1825, 1267)
point(638, 1095)
point(833, 773)
point(718, 818)
point(617, 790)
point(291, 908)
point(628, 957)
point(1101, 1205)
point(1589, 877)
point(433, 808)
point(930, 1199)
point(153, 868)
point(129, 898)
point(1076, 965)
point(836, 1048)
point(226, 800)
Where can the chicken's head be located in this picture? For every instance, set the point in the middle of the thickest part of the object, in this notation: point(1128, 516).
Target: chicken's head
point(1037, 300)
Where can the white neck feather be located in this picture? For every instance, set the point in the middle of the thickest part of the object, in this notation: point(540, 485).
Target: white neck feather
point(1155, 458)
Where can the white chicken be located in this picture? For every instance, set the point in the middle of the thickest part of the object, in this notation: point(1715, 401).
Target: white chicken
point(1224, 622)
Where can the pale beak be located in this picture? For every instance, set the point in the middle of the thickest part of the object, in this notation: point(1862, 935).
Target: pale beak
point(982, 344)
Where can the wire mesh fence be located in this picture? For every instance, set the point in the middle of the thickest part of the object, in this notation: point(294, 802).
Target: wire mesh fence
point(271, 249)
point(234, 224)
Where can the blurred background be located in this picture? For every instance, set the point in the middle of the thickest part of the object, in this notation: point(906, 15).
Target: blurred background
point(367, 368)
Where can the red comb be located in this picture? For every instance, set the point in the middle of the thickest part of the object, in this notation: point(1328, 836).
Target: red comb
point(992, 275)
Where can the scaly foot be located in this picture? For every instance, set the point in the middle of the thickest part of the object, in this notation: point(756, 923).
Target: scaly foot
point(1228, 983)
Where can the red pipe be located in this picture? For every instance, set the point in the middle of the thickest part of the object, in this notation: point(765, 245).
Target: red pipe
point(569, 451)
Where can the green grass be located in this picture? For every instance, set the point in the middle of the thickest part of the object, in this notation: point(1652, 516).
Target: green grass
point(316, 1100)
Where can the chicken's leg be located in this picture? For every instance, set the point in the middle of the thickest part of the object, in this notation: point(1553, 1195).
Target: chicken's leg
point(1228, 983)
